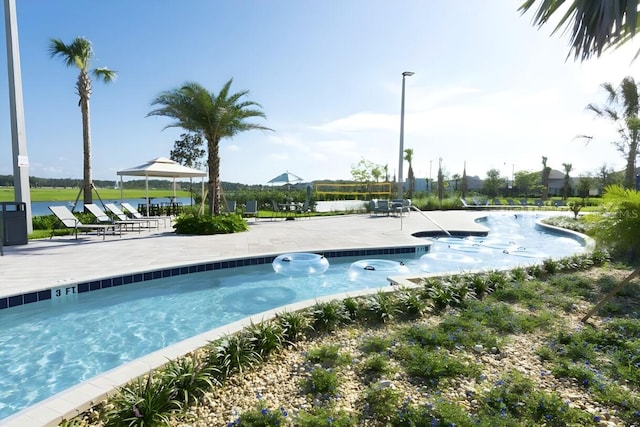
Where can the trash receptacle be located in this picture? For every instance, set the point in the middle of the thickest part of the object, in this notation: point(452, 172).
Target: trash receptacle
point(13, 219)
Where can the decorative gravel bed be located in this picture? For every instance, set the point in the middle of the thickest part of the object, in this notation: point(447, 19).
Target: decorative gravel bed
point(275, 384)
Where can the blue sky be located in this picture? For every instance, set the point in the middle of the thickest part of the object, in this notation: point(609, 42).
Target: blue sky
point(488, 89)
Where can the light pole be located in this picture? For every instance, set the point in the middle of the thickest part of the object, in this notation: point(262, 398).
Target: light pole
point(401, 161)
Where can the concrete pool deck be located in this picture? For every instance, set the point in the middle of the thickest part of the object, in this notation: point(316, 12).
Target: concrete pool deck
point(49, 263)
point(45, 264)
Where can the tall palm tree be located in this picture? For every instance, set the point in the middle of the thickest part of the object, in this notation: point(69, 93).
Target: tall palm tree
point(567, 180)
point(594, 25)
point(408, 156)
point(79, 54)
point(215, 116)
point(546, 171)
point(622, 108)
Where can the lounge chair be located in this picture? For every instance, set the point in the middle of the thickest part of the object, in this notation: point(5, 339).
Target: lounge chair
point(510, 202)
point(276, 209)
point(251, 209)
point(66, 217)
point(229, 207)
point(117, 212)
point(304, 209)
point(137, 215)
point(103, 218)
point(524, 203)
point(383, 207)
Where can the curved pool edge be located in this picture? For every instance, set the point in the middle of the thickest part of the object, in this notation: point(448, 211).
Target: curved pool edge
point(410, 280)
point(80, 398)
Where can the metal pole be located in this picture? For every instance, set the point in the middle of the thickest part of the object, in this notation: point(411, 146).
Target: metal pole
point(401, 160)
point(18, 134)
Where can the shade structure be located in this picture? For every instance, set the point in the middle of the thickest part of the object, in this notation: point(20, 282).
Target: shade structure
point(161, 167)
point(286, 178)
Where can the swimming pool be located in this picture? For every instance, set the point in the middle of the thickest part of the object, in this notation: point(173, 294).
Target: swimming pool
point(46, 347)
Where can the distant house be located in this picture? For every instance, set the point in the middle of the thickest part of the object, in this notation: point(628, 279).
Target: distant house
point(556, 182)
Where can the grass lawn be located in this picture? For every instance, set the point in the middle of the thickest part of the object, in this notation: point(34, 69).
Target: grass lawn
point(66, 194)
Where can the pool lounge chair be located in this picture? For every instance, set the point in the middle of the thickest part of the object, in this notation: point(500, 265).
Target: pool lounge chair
point(117, 212)
point(304, 209)
point(137, 215)
point(251, 209)
point(103, 218)
point(229, 207)
point(66, 217)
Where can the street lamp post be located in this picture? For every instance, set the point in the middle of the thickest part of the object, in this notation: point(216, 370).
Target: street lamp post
point(401, 161)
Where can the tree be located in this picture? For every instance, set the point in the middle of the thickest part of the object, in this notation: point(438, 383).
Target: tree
point(187, 151)
point(465, 184)
point(79, 54)
point(584, 186)
point(546, 171)
point(492, 183)
point(526, 182)
point(456, 178)
point(622, 107)
point(566, 188)
point(594, 25)
point(366, 171)
point(440, 181)
point(215, 116)
point(408, 156)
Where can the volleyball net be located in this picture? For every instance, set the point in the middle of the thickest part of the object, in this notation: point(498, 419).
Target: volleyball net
point(358, 191)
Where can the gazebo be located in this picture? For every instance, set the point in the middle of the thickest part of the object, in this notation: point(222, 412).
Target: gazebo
point(161, 167)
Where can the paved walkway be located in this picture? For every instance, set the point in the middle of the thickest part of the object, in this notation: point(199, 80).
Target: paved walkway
point(44, 264)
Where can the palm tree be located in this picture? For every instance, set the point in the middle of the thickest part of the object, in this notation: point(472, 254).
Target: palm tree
point(546, 171)
point(622, 108)
point(594, 25)
point(79, 54)
point(567, 180)
point(465, 184)
point(214, 116)
point(408, 156)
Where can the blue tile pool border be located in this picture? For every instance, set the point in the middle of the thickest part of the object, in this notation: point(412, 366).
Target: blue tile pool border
point(119, 280)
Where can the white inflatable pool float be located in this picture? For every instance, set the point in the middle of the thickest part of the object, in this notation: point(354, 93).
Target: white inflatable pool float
point(300, 264)
point(376, 269)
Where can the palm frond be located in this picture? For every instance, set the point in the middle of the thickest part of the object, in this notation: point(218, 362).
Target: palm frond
point(594, 25)
point(78, 52)
point(104, 74)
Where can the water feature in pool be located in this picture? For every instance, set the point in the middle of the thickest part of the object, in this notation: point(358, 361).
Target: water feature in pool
point(46, 347)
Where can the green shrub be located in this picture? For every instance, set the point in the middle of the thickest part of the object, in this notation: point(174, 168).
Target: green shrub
point(381, 307)
point(267, 337)
point(321, 381)
point(294, 325)
point(375, 344)
point(328, 356)
point(234, 353)
point(380, 403)
point(327, 316)
point(261, 416)
point(433, 365)
point(323, 416)
point(209, 224)
point(149, 402)
point(190, 377)
point(375, 366)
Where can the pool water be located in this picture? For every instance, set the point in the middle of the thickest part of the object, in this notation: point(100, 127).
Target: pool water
point(49, 346)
